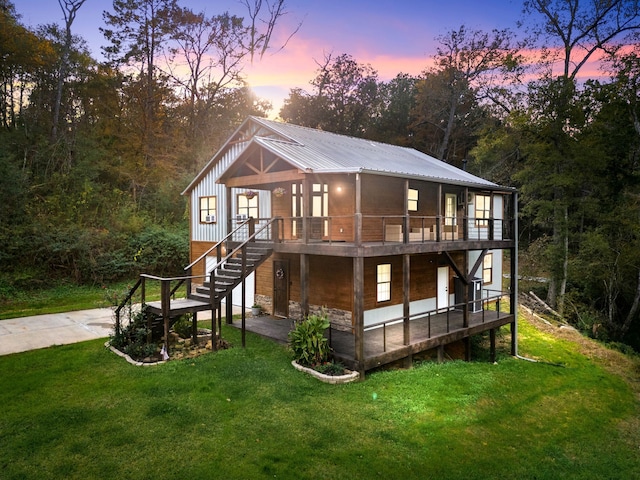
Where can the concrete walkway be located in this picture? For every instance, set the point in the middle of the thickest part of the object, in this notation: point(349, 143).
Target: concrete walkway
point(41, 331)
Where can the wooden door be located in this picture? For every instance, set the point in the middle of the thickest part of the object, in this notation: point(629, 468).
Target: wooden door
point(281, 288)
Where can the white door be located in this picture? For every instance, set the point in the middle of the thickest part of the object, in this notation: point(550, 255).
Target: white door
point(250, 285)
point(443, 288)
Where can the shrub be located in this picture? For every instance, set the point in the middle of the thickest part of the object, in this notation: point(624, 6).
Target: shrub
point(307, 341)
point(136, 339)
point(330, 368)
point(184, 326)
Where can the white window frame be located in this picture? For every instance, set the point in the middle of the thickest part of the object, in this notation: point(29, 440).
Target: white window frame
point(412, 200)
point(487, 269)
point(205, 208)
point(247, 206)
point(482, 214)
point(383, 282)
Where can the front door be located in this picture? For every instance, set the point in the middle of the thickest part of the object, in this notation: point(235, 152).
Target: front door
point(281, 288)
point(443, 288)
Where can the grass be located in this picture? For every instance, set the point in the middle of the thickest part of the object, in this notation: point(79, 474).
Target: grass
point(79, 411)
point(66, 297)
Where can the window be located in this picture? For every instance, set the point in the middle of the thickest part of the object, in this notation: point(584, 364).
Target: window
point(208, 210)
point(450, 208)
point(247, 207)
point(483, 210)
point(412, 202)
point(487, 268)
point(384, 282)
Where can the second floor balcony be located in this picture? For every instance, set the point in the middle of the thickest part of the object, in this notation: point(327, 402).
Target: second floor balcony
point(381, 234)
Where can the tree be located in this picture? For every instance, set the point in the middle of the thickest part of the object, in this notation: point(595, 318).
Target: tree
point(69, 9)
point(23, 53)
point(392, 119)
point(343, 101)
point(466, 65)
point(262, 23)
point(571, 32)
point(140, 32)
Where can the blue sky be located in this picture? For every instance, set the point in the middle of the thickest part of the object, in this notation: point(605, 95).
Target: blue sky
point(392, 36)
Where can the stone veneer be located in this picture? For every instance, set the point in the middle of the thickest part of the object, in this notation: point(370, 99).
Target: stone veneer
point(340, 319)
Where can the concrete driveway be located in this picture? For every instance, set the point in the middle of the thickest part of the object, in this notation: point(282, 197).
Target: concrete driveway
point(41, 331)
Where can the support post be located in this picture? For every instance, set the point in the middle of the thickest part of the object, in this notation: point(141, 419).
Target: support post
point(467, 349)
point(514, 279)
point(406, 304)
point(212, 301)
point(304, 284)
point(165, 299)
point(194, 329)
point(358, 212)
point(243, 269)
point(228, 315)
point(358, 312)
point(492, 345)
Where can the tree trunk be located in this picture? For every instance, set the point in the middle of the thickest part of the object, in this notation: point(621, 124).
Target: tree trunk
point(442, 151)
point(633, 311)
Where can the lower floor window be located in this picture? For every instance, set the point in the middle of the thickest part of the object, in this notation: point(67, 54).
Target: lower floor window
point(487, 268)
point(384, 282)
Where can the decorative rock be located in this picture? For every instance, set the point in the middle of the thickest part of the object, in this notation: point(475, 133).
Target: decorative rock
point(333, 379)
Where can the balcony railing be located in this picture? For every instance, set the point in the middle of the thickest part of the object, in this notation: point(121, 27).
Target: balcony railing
point(389, 334)
point(361, 229)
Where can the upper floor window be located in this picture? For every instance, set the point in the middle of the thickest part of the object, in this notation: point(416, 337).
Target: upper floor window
point(450, 208)
point(247, 206)
point(208, 210)
point(412, 200)
point(487, 268)
point(483, 210)
point(383, 280)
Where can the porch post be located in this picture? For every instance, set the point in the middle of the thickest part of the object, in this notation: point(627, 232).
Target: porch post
point(406, 302)
point(405, 221)
point(306, 209)
point(358, 312)
point(358, 212)
point(465, 215)
point(514, 278)
point(439, 214)
point(229, 209)
point(304, 284)
point(465, 293)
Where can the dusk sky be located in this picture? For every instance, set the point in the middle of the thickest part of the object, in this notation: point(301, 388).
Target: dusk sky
point(393, 36)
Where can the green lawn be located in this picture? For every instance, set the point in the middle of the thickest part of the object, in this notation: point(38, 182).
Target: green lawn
point(81, 412)
point(67, 297)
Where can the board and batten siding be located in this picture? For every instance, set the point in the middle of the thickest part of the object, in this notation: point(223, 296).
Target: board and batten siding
point(207, 187)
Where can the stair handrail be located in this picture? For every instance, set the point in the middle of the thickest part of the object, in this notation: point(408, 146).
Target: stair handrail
point(124, 302)
point(225, 239)
point(243, 244)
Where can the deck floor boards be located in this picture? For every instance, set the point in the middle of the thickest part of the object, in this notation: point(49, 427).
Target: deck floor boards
point(381, 342)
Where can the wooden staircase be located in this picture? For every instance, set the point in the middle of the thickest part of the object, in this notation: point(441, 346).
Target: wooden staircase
point(230, 274)
point(243, 257)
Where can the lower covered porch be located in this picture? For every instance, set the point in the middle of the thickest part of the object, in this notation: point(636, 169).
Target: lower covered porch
point(395, 341)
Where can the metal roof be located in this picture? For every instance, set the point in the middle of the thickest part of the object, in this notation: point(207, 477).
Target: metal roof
point(318, 151)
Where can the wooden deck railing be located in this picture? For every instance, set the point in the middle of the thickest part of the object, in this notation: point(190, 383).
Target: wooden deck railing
point(363, 229)
point(442, 319)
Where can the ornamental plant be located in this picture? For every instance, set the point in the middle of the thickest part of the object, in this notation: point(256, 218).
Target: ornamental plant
point(307, 341)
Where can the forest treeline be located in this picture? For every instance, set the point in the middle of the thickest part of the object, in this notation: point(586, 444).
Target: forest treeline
point(94, 154)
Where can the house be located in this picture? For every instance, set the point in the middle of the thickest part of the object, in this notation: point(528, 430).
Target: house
point(406, 253)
